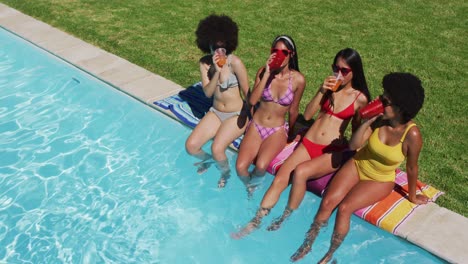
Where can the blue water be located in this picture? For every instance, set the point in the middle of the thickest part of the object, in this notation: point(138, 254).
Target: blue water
point(90, 175)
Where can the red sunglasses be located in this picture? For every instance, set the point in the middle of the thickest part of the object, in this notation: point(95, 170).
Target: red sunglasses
point(345, 71)
point(285, 51)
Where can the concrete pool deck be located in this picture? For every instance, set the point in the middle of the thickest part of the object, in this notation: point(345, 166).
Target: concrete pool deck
point(436, 229)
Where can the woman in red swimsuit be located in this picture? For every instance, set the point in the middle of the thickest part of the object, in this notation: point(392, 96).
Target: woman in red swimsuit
point(279, 92)
point(321, 150)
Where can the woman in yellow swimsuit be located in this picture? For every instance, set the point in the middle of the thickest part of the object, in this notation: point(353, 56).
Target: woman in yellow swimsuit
point(369, 176)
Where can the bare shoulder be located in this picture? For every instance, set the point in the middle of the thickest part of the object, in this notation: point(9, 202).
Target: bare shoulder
point(298, 78)
point(413, 132)
point(235, 60)
point(361, 98)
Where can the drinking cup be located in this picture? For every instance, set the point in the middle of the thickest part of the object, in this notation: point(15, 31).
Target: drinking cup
point(375, 107)
point(277, 61)
point(221, 56)
point(339, 81)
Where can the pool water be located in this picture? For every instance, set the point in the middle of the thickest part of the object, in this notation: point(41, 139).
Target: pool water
point(90, 175)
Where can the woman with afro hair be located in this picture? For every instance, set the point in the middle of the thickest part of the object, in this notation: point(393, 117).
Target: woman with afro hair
point(227, 84)
point(369, 176)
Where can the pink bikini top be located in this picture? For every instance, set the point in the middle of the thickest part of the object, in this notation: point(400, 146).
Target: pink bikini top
point(285, 100)
point(345, 114)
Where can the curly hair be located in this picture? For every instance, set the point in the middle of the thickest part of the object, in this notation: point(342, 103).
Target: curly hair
point(406, 92)
point(217, 31)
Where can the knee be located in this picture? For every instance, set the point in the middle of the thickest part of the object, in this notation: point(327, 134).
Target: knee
point(242, 167)
point(344, 209)
point(328, 203)
point(300, 174)
point(280, 183)
point(261, 166)
point(218, 152)
point(191, 146)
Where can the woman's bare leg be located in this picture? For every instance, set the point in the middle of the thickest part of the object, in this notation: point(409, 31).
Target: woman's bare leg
point(272, 195)
point(199, 136)
point(365, 193)
point(340, 185)
point(227, 133)
point(305, 171)
point(269, 149)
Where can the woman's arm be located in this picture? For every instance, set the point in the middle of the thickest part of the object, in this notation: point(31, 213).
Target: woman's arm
point(362, 134)
point(294, 107)
point(413, 142)
point(314, 105)
point(209, 86)
point(259, 85)
point(356, 122)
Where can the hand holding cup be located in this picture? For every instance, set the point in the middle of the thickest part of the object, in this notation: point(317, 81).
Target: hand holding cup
point(220, 57)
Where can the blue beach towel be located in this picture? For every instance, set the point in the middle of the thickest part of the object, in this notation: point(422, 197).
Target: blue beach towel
point(189, 106)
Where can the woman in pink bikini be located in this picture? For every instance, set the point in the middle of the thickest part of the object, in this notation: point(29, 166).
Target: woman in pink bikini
point(279, 91)
point(321, 150)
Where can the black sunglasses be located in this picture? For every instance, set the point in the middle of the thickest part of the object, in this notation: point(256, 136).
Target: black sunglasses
point(385, 101)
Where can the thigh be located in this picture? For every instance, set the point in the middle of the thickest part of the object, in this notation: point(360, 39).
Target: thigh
point(298, 156)
point(320, 165)
point(343, 181)
point(366, 193)
point(271, 146)
point(250, 145)
point(205, 130)
point(228, 131)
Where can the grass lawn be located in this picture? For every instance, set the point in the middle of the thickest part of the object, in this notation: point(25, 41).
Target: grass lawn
point(427, 38)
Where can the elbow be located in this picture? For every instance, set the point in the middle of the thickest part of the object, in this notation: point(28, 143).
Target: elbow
point(293, 114)
point(251, 101)
point(307, 116)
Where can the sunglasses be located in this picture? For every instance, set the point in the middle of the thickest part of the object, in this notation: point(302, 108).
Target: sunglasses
point(385, 101)
point(285, 51)
point(345, 71)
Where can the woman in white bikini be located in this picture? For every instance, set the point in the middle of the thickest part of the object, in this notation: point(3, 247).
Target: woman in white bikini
point(227, 84)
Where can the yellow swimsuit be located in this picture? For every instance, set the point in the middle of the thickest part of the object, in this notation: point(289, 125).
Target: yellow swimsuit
point(377, 161)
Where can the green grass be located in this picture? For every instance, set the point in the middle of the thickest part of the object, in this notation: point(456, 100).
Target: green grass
point(427, 38)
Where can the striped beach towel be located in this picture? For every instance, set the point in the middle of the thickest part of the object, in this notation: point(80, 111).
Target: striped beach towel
point(392, 212)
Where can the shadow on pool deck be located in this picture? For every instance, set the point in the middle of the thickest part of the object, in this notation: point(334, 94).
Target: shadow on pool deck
point(436, 229)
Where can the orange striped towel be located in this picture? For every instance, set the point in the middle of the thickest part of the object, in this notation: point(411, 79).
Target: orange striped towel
point(391, 212)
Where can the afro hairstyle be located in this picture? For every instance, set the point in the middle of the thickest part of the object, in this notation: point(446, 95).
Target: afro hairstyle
point(406, 92)
point(216, 29)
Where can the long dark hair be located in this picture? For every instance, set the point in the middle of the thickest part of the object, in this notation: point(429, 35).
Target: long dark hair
point(353, 59)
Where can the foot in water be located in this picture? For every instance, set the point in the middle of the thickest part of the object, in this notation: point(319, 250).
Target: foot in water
point(253, 224)
point(224, 178)
point(311, 235)
point(203, 166)
point(303, 250)
point(276, 224)
point(327, 259)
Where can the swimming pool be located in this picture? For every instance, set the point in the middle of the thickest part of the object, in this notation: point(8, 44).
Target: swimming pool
point(89, 175)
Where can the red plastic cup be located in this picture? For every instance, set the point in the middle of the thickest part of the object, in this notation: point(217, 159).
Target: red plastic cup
point(277, 60)
point(375, 107)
